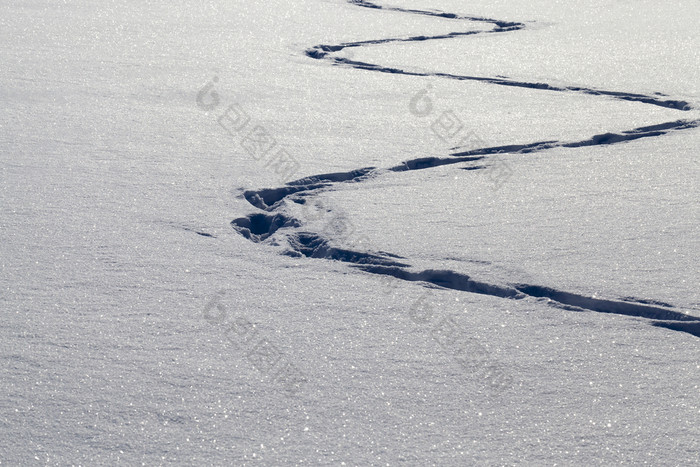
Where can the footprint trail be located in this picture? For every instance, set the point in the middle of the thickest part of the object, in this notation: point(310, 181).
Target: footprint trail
point(275, 221)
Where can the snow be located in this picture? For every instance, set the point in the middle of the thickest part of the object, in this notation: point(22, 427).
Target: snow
point(540, 307)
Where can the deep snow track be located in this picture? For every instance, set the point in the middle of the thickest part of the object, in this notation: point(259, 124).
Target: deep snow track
point(260, 226)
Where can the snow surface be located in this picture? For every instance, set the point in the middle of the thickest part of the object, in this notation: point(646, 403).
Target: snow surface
point(475, 248)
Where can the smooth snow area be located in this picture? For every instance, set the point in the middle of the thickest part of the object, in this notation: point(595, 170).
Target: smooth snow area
point(475, 249)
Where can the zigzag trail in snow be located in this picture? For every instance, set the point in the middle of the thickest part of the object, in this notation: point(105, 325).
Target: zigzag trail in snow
point(260, 226)
point(499, 27)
